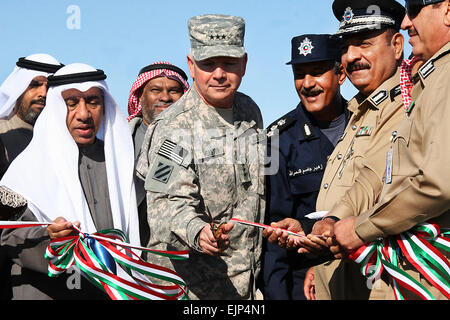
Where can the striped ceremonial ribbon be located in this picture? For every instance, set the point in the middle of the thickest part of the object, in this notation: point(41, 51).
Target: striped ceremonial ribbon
point(107, 260)
point(420, 247)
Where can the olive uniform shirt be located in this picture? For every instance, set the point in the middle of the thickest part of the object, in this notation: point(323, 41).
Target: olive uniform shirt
point(360, 154)
point(192, 178)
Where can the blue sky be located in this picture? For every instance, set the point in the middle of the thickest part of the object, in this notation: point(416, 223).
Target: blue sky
point(121, 37)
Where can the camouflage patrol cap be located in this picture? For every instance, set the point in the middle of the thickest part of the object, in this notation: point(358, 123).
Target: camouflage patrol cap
point(216, 35)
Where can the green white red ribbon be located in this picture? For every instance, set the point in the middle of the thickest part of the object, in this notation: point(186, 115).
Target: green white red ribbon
point(107, 260)
point(419, 246)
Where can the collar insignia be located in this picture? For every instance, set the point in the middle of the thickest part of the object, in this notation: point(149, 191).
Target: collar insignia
point(307, 131)
point(427, 69)
point(379, 97)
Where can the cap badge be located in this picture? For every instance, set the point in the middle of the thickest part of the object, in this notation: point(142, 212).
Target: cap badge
point(306, 47)
point(348, 15)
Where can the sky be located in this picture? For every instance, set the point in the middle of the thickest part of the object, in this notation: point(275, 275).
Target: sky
point(121, 37)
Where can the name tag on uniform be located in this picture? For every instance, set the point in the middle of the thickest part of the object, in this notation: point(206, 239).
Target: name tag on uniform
point(302, 172)
point(388, 177)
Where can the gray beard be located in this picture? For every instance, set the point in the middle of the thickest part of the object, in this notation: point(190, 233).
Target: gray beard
point(149, 115)
point(30, 117)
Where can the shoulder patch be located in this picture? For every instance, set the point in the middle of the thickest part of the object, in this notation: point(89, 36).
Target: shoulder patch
point(379, 97)
point(163, 172)
point(173, 152)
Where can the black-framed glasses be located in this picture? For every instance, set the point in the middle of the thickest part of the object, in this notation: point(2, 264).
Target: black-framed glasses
point(413, 7)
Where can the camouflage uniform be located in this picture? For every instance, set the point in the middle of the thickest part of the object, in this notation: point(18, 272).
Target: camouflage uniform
point(200, 169)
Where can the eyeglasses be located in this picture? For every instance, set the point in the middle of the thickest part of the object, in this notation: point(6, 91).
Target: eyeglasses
point(413, 7)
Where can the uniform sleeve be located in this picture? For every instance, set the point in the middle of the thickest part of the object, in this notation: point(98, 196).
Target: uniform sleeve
point(425, 194)
point(368, 184)
point(173, 194)
point(279, 206)
point(360, 197)
point(26, 246)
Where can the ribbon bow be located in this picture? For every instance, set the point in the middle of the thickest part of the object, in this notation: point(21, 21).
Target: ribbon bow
point(419, 246)
point(121, 273)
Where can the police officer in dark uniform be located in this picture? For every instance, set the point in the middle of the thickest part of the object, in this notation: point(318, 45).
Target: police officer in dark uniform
point(307, 136)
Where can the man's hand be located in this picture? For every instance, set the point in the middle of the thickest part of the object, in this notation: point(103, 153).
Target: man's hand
point(346, 238)
point(316, 245)
point(309, 287)
point(275, 235)
point(208, 242)
point(62, 228)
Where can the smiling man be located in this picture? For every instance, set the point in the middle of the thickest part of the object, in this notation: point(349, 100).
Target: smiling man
point(157, 87)
point(307, 135)
point(372, 54)
point(200, 166)
point(416, 190)
point(87, 180)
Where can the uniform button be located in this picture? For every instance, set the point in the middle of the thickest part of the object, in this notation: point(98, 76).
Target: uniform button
point(88, 166)
point(394, 134)
point(325, 186)
point(354, 127)
point(339, 156)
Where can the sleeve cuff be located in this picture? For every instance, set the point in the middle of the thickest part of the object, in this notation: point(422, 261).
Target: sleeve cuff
point(340, 211)
point(193, 231)
point(366, 230)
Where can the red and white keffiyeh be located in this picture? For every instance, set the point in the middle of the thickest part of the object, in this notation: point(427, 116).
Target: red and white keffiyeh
point(406, 83)
point(134, 106)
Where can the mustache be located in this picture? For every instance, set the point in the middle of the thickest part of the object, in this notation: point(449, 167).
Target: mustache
point(38, 101)
point(311, 92)
point(159, 105)
point(357, 66)
point(412, 32)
